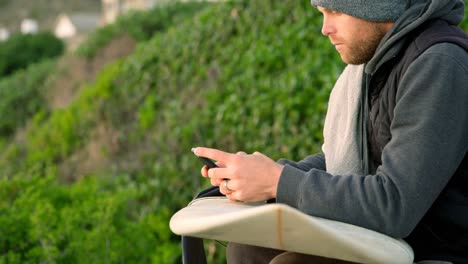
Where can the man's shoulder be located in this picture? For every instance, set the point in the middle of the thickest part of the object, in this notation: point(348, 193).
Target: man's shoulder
point(439, 31)
point(448, 49)
point(435, 37)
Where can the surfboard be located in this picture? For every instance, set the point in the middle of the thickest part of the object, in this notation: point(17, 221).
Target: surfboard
point(280, 226)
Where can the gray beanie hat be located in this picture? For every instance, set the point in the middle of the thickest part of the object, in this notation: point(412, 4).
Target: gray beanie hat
point(371, 10)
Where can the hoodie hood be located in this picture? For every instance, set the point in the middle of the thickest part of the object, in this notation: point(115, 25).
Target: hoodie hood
point(418, 13)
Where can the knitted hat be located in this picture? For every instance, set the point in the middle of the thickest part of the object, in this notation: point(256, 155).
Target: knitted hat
point(371, 10)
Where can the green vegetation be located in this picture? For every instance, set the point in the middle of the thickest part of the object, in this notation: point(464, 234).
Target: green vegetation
point(22, 96)
point(464, 24)
point(22, 50)
point(91, 221)
point(141, 26)
point(98, 180)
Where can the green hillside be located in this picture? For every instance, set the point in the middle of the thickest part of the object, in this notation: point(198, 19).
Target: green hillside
point(97, 180)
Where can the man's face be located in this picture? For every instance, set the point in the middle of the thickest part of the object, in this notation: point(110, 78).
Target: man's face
point(355, 39)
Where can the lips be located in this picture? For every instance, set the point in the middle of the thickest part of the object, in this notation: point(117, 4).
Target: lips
point(338, 46)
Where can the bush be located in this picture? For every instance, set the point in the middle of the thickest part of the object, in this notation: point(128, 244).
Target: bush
point(21, 96)
point(140, 25)
point(21, 50)
point(53, 139)
point(95, 220)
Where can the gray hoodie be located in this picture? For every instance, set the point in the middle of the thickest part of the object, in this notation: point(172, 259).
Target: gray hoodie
point(428, 141)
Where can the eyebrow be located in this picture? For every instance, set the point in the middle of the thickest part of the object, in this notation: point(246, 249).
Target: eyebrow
point(320, 7)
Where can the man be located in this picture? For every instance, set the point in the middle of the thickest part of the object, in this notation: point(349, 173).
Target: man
point(395, 134)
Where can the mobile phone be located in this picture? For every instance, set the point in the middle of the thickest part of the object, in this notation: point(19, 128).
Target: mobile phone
point(209, 163)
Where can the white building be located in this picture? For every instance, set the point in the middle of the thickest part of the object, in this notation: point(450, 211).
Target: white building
point(111, 9)
point(73, 28)
point(29, 26)
point(4, 34)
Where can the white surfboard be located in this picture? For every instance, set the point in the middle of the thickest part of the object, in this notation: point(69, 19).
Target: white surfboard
point(282, 227)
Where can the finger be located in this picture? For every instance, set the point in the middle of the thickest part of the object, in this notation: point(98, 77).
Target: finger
point(204, 171)
point(232, 185)
point(218, 181)
point(224, 186)
point(214, 182)
point(241, 153)
point(223, 189)
point(232, 196)
point(218, 173)
point(214, 154)
point(225, 192)
point(227, 186)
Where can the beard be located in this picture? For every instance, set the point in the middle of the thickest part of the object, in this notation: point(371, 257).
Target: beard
point(361, 51)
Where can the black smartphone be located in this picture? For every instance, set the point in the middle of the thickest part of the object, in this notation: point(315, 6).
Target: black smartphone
point(209, 163)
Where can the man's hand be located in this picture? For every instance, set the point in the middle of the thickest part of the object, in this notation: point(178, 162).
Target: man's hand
point(251, 178)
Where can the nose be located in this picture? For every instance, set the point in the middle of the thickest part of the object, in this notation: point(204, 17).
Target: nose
point(327, 27)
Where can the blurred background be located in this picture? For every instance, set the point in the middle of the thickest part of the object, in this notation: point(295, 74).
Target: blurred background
point(101, 102)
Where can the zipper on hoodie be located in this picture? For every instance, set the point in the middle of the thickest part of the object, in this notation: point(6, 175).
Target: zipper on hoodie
point(364, 111)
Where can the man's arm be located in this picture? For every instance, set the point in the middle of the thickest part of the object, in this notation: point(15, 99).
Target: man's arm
point(428, 143)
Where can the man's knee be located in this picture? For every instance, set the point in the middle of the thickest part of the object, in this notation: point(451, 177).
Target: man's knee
point(298, 258)
point(245, 254)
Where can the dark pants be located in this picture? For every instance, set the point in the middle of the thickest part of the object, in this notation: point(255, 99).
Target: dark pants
point(244, 254)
